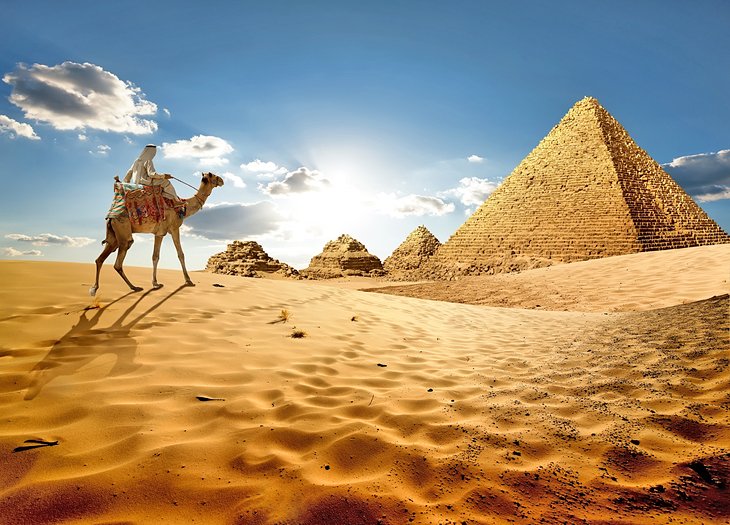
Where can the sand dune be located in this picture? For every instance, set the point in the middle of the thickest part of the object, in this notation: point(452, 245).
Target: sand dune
point(390, 410)
point(636, 282)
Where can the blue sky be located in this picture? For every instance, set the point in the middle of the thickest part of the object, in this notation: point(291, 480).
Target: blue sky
point(326, 117)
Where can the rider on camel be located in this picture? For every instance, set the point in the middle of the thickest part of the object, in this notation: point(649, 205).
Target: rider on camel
point(143, 172)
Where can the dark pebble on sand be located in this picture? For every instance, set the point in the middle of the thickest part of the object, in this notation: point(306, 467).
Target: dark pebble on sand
point(206, 398)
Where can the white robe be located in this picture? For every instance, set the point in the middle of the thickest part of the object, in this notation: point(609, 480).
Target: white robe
point(143, 172)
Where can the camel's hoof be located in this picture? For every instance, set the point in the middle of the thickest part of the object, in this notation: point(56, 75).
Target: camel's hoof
point(92, 290)
point(189, 283)
point(157, 286)
point(137, 288)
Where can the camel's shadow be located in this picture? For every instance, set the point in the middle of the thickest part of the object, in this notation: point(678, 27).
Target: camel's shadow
point(85, 342)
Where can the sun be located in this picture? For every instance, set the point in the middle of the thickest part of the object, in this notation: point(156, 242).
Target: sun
point(327, 212)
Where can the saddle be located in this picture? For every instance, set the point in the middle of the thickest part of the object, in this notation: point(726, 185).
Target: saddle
point(141, 203)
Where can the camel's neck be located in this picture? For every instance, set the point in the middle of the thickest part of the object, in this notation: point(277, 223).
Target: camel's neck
point(195, 204)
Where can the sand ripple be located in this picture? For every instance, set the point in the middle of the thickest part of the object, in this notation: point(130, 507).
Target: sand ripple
point(391, 410)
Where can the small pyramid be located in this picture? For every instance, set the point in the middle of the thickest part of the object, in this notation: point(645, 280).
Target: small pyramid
point(586, 191)
point(247, 259)
point(342, 257)
point(412, 254)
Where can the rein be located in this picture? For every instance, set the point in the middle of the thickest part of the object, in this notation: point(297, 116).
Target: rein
point(186, 184)
point(196, 190)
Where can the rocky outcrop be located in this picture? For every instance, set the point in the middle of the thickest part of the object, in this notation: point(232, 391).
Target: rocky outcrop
point(408, 258)
point(247, 259)
point(343, 257)
point(586, 191)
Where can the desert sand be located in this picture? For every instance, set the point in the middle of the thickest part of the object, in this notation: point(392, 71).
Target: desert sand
point(623, 283)
point(196, 405)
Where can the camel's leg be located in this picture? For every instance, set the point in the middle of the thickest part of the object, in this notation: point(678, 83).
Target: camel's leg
point(119, 265)
point(155, 260)
point(108, 249)
point(180, 255)
point(110, 244)
point(125, 240)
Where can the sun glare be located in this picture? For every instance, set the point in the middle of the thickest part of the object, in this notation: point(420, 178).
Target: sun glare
point(328, 212)
point(346, 202)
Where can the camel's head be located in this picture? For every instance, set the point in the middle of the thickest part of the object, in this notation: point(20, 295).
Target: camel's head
point(212, 179)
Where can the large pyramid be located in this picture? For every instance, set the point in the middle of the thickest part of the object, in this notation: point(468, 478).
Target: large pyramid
point(586, 191)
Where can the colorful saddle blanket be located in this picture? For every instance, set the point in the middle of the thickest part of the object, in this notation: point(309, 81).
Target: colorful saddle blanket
point(142, 204)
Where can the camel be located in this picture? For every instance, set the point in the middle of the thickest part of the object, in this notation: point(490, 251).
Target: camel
point(119, 235)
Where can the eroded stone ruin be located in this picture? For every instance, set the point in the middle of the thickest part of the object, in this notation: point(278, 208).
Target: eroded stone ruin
point(247, 259)
point(343, 257)
point(412, 254)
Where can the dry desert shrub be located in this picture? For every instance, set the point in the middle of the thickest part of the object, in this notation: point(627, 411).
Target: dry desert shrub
point(298, 334)
point(283, 317)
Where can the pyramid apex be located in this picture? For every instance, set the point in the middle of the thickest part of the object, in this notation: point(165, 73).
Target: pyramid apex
point(421, 232)
point(588, 102)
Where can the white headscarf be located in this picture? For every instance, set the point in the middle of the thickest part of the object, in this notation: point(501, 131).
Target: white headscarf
point(142, 168)
point(148, 152)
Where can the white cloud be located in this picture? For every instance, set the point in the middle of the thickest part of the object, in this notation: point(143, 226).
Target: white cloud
point(102, 150)
point(79, 96)
point(700, 160)
point(411, 205)
point(475, 159)
point(12, 252)
point(166, 112)
point(15, 128)
point(207, 149)
point(719, 194)
point(299, 181)
point(47, 239)
point(705, 176)
point(82, 137)
point(228, 221)
point(235, 179)
point(263, 169)
point(259, 166)
point(471, 190)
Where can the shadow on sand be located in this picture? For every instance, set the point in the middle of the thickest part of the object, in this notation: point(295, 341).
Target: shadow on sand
point(84, 343)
